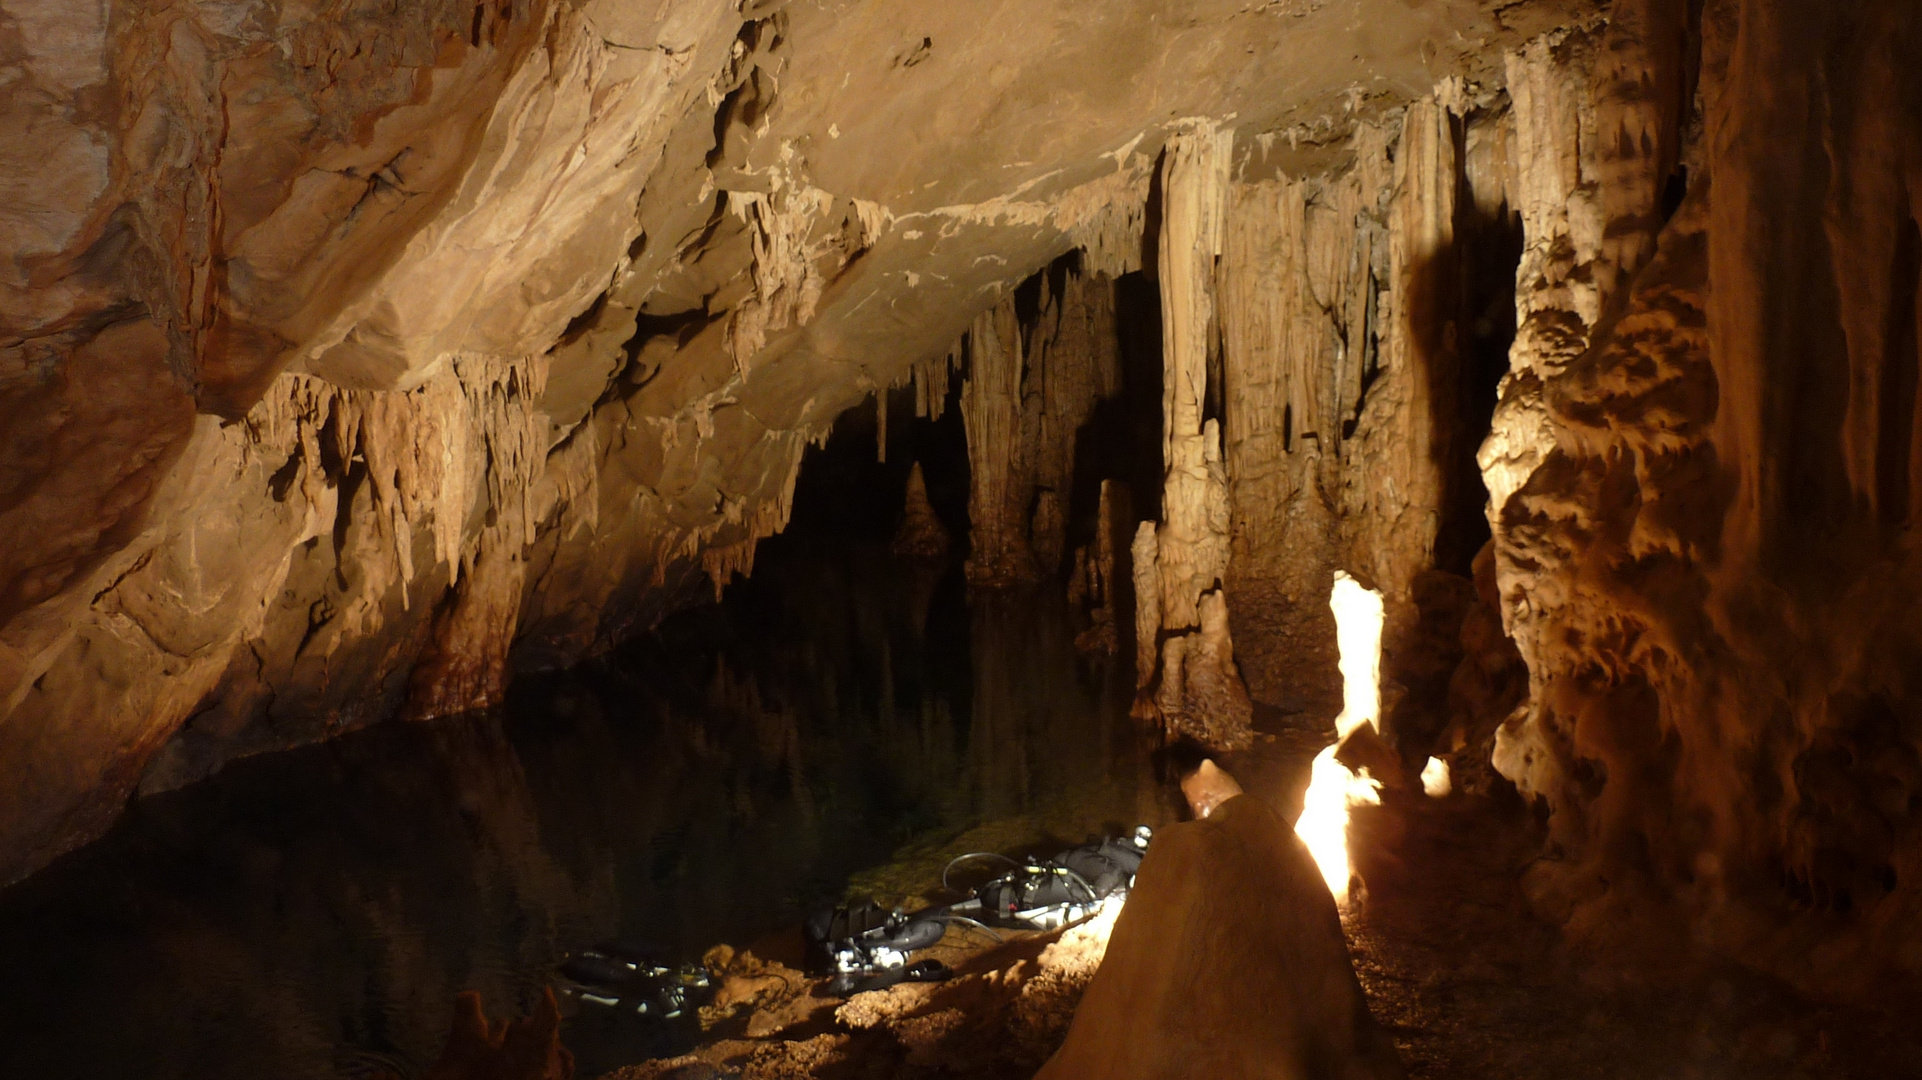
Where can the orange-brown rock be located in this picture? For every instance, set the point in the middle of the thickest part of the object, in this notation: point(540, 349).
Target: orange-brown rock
point(1228, 961)
point(1703, 475)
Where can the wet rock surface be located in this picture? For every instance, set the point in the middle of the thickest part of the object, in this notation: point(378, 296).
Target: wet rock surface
point(1458, 973)
point(1002, 1013)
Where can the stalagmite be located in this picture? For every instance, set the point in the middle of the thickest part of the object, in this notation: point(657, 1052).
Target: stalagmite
point(1228, 961)
point(1145, 555)
point(1190, 550)
point(921, 536)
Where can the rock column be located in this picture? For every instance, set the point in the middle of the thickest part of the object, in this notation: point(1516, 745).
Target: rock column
point(1198, 693)
point(1028, 393)
point(1001, 481)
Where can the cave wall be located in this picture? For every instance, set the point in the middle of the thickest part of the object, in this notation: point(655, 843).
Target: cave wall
point(1703, 474)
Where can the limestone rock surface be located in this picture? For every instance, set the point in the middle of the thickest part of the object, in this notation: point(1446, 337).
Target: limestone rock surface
point(1702, 477)
point(1228, 961)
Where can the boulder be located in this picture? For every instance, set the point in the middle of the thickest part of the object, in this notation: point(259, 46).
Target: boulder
point(1228, 961)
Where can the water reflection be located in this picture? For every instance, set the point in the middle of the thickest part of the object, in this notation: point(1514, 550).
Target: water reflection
point(306, 914)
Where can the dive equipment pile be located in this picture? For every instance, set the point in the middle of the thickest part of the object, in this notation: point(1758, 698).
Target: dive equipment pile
point(863, 947)
point(633, 980)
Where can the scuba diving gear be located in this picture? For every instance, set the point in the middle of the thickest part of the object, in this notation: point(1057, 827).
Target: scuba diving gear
point(622, 977)
point(959, 859)
point(866, 948)
point(928, 971)
point(849, 983)
point(859, 936)
point(1039, 896)
point(1048, 894)
point(1109, 865)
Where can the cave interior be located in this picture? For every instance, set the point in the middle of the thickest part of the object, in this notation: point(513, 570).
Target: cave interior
point(482, 479)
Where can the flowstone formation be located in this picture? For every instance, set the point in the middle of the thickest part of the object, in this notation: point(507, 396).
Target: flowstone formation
point(1703, 476)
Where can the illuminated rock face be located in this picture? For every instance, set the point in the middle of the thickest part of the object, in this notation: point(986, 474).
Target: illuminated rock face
point(350, 364)
point(1704, 475)
point(1229, 961)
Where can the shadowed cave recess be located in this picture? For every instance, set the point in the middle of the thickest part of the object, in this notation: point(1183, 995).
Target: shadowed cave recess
point(482, 479)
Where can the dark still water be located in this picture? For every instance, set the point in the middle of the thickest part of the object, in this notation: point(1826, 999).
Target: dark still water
point(841, 720)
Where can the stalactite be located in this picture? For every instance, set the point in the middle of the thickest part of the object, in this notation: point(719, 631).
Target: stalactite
point(930, 378)
point(1109, 233)
point(1145, 555)
point(1074, 363)
point(1191, 544)
point(1001, 482)
point(794, 258)
point(1025, 400)
point(1400, 463)
point(726, 547)
point(465, 666)
point(1296, 281)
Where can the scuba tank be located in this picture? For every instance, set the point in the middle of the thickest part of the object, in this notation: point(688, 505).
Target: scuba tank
point(866, 925)
point(1046, 894)
point(867, 949)
point(1110, 865)
point(630, 979)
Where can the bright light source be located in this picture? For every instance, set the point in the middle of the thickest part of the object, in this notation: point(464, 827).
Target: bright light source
point(1358, 619)
point(1323, 824)
point(1434, 778)
point(1332, 787)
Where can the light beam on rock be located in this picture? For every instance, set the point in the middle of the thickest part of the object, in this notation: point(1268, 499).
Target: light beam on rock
point(1332, 787)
